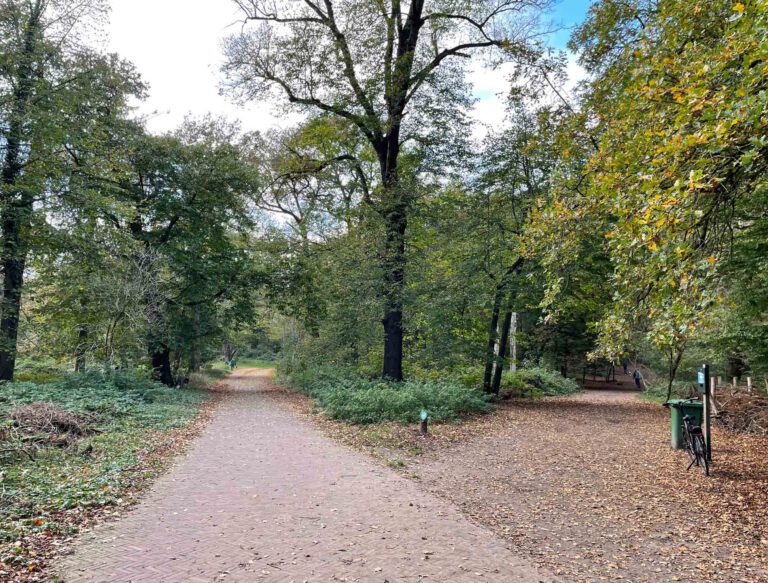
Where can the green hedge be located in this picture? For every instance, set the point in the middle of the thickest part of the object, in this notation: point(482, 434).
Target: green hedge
point(526, 382)
point(344, 395)
point(539, 381)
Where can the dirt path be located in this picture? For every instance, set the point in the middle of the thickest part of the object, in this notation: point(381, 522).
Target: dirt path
point(588, 487)
point(264, 496)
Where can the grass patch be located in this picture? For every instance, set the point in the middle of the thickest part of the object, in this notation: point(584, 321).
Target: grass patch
point(216, 369)
point(255, 363)
point(39, 371)
point(126, 417)
point(346, 396)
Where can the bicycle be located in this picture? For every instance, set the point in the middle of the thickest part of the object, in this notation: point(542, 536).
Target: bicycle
point(693, 440)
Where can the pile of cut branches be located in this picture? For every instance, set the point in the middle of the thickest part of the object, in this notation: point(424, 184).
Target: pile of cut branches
point(742, 411)
point(37, 425)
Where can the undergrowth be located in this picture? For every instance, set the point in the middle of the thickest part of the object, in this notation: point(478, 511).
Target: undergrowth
point(344, 395)
point(658, 392)
point(525, 382)
point(125, 415)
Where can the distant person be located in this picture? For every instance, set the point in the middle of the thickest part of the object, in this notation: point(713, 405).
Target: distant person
point(232, 363)
point(625, 364)
point(638, 379)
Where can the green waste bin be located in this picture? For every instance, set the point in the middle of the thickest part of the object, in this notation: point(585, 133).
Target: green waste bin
point(685, 407)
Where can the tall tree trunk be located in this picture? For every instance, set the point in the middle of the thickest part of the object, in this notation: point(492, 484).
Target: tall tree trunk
point(161, 364)
point(496, 386)
point(13, 261)
point(395, 215)
point(82, 342)
point(493, 331)
point(17, 204)
point(394, 282)
point(194, 352)
point(675, 356)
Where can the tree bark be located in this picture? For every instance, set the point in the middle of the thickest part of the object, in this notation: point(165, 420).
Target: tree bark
point(496, 386)
point(13, 261)
point(493, 329)
point(394, 282)
point(161, 364)
point(17, 204)
point(675, 356)
point(194, 352)
point(493, 332)
point(395, 215)
point(82, 341)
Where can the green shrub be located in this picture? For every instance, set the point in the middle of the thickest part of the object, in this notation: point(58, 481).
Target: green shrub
point(537, 382)
point(526, 382)
point(548, 382)
point(470, 376)
point(39, 371)
point(344, 395)
point(110, 394)
point(657, 393)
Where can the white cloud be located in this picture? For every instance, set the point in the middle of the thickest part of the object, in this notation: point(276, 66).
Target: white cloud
point(490, 87)
point(176, 46)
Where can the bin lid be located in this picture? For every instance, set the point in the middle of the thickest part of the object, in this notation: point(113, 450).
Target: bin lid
point(686, 403)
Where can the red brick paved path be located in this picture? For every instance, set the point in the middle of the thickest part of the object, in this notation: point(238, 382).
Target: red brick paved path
point(262, 496)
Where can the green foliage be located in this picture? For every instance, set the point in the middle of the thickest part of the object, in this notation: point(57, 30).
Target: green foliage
point(525, 382)
point(544, 381)
point(127, 413)
point(658, 392)
point(111, 395)
point(255, 363)
point(39, 371)
point(676, 171)
point(344, 395)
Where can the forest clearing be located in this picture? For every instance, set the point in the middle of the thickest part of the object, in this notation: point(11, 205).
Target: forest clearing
point(383, 290)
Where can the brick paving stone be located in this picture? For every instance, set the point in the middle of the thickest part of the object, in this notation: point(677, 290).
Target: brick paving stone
point(263, 496)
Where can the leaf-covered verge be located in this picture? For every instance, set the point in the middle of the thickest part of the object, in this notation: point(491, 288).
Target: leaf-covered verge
point(344, 395)
point(618, 506)
point(54, 482)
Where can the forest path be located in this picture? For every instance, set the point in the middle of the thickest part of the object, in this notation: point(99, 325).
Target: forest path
point(264, 496)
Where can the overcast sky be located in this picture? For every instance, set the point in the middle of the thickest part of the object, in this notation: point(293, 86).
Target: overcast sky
point(176, 46)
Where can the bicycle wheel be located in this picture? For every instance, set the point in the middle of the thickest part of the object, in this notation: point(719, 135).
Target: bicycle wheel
point(700, 448)
point(689, 445)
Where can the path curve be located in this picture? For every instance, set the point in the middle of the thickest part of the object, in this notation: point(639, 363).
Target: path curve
point(264, 496)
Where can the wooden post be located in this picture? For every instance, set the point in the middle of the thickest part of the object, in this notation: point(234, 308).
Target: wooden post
point(735, 382)
point(749, 384)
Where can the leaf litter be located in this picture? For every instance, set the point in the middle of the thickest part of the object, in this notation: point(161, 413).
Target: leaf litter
point(587, 486)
